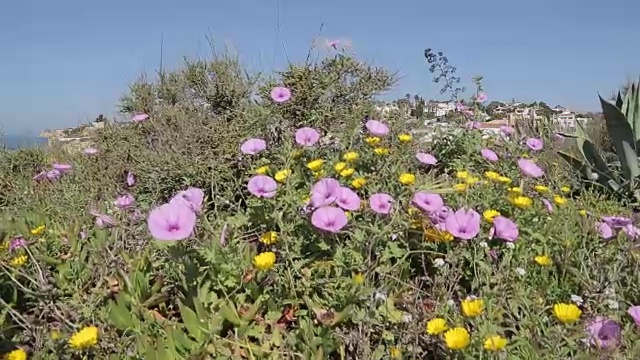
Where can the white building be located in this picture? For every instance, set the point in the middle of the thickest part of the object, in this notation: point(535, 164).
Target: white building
point(439, 108)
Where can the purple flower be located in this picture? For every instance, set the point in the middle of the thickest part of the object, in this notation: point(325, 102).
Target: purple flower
point(426, 159)
point(634, 312)
point(473, 125)
point(631, 231)
point(529, 168)
point(171, 222)
point(192, 197)
point(90, 151)
point(489, 155)
point(463, 224)
point(377, 128)
point(427, 202)
point(280, 94)
point(381, 203)
point(548, 205)
point(348, 199)
point(324, 192)
point(505, 229)
point(329, 218)
point(307, 136)
point(262, 186)
point(17, 243)
point(131, 180)
point(62, 168)
point(253, 146)
point(481, 97)
point(534, 144)
point(53, 174)
point(140, 117)
point(605, 230)
point(440, 216)
point(604, 333)
point(617, 222)
point(102, 220)
point(507, 130)
point(124, 201)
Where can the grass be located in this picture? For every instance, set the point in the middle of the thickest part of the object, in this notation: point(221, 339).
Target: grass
point(257, 279)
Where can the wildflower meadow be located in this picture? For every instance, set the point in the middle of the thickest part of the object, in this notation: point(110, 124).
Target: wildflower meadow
point(217, 226)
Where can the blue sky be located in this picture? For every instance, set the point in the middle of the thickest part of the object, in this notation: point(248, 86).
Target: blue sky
point(64, 62)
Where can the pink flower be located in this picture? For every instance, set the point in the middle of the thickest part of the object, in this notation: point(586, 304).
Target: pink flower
point(426, 159)
point(481, 97)
point(473, 125)
point(53, 174)
point(262, 186)
point(604, 333)
point(307, 136)
point(63, 168)
point(634, 312)
point(463, 224)
point(17, 243)
point(131, 180)
point(324, 192)
point(280, 94)
point(253, 146)
point(90, 151)
point(534, 144)
point(347, 199)
point(507, 130)
point(329, 218)
point(124, 201)
point(140, 117)
point(529, 168)
point(440, 216)
point(503, 228)
point(171, 222)
point(192, 197)
point(102, 220)
point(605, 230)
point(377, 128)
point(381, 203)
point(547, 205)
point(489, 155)
point(631, 231)
point(428, 203)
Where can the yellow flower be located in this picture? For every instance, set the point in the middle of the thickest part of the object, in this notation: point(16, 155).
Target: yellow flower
point(381, 151)
point(340, 166)
point(582, 212)
point(490, 214)
point(18, 260)
point(38, 231)
point(395, 352)
point(436, 326)
point(543, 260)
point(462, 174)
point(472, 307)
point(372, 140)
point(351, 156)
point(541, 188)
point(505, 180)
point(282, 175)
point(457, 338)
point(262, 170)
point(265, 260)
point(460, 187)
point(347, 172)
point(515, 190)
point(407, 179)
point(405, 138)
point(492, 175)
point(495, 343)
point(435, 235)
point(55, 334)
point(358, 278)
point(565, 189)
point(566, 313)
point(315, 165)
point(520, 201)
point(359, 183)
point(85, 338)
point(559, 200)
point(269, 238)
point(17, 354)
point(472, 180)
point(349, 215)
point(318, 174)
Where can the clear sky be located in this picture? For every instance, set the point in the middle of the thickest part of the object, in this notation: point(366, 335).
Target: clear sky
point(64, 62)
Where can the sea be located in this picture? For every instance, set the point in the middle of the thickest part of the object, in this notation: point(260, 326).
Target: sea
point(12, 142)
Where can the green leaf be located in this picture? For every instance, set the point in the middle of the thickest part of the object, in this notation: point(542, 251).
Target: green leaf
point(119, 315)
point(191, 322)
point(229, 312)
point(161, 350)
point(620, 131)
point(632, 164)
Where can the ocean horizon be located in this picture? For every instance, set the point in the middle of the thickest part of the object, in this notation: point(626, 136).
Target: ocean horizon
point(12, 142)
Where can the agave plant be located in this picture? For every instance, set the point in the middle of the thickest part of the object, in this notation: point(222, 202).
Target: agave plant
point(622, 120)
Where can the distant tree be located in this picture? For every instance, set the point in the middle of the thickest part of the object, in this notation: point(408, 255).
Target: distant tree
point(445, 73)
point(491, 107)
point(100, 118)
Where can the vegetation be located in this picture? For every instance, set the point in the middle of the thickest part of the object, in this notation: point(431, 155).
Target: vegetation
point(241, 216)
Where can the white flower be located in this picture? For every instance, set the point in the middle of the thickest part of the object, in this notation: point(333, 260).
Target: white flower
point(438, 262)
point(380, 296)
point(510, 245)
point(483, 244)
point(520, 271)
point(610, 292)
point(577, 299)
point(450, 302)
point(612, 304)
